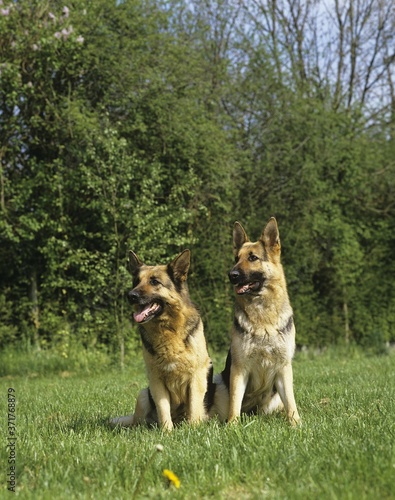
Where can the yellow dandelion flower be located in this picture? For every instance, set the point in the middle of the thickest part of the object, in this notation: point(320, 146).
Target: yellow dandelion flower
point(173, 479)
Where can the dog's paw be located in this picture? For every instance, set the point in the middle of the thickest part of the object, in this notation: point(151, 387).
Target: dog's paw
point(167, 426)
point(234, 419)
point(126, 421)
point(295, 421)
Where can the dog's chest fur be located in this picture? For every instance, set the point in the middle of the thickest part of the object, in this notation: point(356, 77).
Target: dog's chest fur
point(176, 358)
point(265, 329)
point(263, 345)
point(263, 349)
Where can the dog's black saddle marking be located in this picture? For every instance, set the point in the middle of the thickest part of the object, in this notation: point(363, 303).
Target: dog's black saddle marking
point(210, 393)
point(239, 329)
point(191, 328)
point(146, 343)
point(226, 371)
point(288, 326)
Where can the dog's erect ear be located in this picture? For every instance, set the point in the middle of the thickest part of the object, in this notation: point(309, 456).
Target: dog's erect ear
point(271, 236)
point(179, 267)
point(134, 262)
point(239, 237)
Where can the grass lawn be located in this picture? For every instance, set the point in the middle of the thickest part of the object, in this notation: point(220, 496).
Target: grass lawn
point(345, 448)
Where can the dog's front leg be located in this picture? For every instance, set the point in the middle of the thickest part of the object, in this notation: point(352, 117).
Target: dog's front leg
point(284, 385)
point(197, 391)
point(237, 387)
point(161, 397)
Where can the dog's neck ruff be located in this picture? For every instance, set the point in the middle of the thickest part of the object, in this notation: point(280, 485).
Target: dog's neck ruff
point(249, 317)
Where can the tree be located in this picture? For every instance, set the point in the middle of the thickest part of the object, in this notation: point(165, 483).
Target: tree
point(153, 126)
point(110, 154)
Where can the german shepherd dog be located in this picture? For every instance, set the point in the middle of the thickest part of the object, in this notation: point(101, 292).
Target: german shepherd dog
point(174, 348)
point(258, 371)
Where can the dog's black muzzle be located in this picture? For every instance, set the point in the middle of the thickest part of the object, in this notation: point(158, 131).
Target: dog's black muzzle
point(133, 297)
point(145, 307)
point(250, 284)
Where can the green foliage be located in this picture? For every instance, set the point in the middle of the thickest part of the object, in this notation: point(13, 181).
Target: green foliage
point(8, 331)
point(63, 360)
point(149, 126)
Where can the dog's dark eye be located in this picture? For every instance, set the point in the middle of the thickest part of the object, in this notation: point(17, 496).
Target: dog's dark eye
point(236, 259)
point(252, 257)
point(154, 282)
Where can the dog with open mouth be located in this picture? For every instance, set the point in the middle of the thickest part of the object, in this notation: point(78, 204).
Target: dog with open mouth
point(174, 347)
point(258, 375)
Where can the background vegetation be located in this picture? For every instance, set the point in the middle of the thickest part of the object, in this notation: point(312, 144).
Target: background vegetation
point(152, 126)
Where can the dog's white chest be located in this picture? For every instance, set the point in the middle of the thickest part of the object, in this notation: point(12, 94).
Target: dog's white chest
point(170, 367)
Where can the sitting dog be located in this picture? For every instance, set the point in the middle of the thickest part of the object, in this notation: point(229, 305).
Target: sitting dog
point(258, 374)
point(174, 348)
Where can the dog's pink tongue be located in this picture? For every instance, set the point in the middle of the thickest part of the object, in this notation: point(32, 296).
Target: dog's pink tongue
point(242, 288)
point(140, 316)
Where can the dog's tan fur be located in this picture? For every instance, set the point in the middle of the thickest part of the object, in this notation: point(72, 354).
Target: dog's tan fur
point(178, 365)
point(258, 372)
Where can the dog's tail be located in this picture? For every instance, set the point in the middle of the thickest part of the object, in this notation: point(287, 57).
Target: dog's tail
point(220, 406)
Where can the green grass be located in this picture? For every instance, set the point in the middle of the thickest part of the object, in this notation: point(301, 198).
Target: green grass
point(345, 448)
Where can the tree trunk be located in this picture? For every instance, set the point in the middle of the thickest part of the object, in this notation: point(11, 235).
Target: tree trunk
point(35, 311)
point(346, 322)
